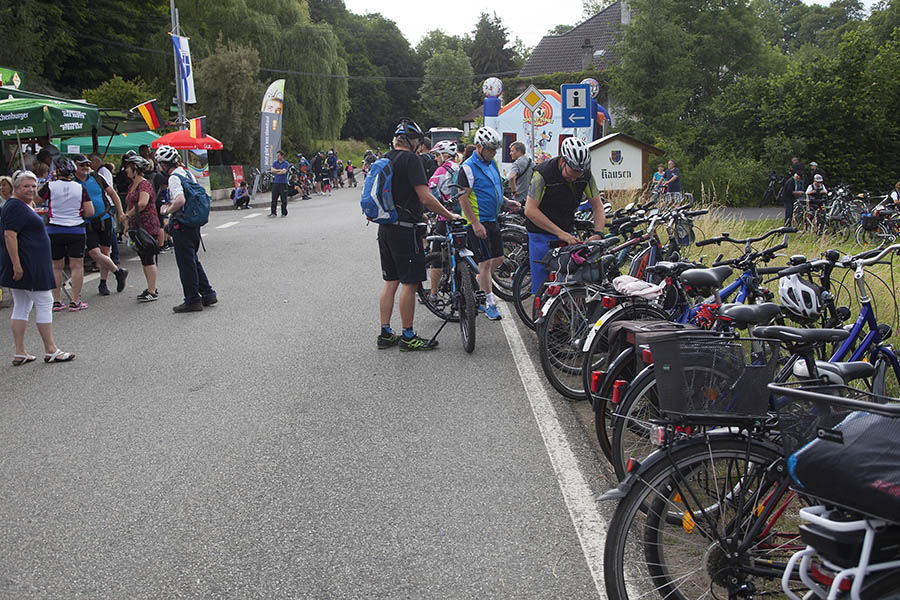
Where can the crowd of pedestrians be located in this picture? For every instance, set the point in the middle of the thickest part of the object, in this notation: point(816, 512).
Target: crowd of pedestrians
point(58, 209)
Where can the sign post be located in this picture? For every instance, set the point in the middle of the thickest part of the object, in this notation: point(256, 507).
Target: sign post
point(576, 105)
point(532, 98)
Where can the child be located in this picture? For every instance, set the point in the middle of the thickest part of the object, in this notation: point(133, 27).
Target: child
point(326, 185)
point(242, 196)
point(351, 176)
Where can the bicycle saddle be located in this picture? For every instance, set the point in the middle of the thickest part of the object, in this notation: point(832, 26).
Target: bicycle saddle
point(666, 268)
point(706, 278)
point(742, 316)
point(837, 373)
point(799, 335)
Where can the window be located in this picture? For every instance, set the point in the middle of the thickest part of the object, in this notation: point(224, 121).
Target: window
point(508, 138)
point(562, 137)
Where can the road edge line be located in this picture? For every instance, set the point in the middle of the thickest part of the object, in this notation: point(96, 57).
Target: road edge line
point(590, 526)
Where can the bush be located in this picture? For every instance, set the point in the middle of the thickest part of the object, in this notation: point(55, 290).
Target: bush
point(728, 179)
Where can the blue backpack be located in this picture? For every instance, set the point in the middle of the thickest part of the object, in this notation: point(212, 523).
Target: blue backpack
point(377, 198)
point(195, 211)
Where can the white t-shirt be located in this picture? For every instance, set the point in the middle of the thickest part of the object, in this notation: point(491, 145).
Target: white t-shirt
point(175, 188)
point(65, 200)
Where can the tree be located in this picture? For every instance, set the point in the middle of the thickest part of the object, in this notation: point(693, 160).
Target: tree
point(230, 92)
point(443, 101)
point(435, 41)
point(592, 7)
point(490, 52)
point(560, 29)
point(118, 93)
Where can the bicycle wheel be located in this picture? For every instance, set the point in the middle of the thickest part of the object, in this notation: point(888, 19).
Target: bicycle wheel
point(523, 301)
point(719, 486)
point(620, 369)
point(870, 240)
point(465, 287)
point(840, 229)
point(515, 250)
point(880, 586)
point(560, 338)
point(441, 304)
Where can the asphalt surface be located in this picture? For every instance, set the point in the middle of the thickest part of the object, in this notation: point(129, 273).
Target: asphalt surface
point(265, 449)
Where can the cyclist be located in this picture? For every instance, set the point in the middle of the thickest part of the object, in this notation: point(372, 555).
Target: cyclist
point(400, 245)
point(440, 186)
point(318, 167)
point(894, 197)
point(557, 188)
point(481, 198)
point(816, 194)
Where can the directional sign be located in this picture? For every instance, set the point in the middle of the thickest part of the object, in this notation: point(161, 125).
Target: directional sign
point(532, 98)
point(576, 105)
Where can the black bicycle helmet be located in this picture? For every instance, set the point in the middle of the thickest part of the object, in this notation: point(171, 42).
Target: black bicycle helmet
point(409, 128)
point(65, 166)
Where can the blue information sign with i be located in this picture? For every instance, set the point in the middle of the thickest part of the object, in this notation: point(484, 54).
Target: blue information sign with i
point(576, 105)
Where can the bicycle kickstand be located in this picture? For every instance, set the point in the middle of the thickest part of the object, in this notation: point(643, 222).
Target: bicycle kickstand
point(436, 333)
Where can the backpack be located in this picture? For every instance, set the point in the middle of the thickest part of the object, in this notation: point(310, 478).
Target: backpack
point(108, 207)
point(195, 211)
point(377, 196)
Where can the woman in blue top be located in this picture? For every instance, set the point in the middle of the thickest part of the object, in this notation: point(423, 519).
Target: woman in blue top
point(26, 268)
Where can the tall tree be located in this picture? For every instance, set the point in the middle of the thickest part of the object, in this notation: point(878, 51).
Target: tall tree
point(436, 41)
point(592, 7)
point(442, 101)
point(490, 51)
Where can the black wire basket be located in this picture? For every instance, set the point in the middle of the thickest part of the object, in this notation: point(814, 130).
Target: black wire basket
point(713, 380)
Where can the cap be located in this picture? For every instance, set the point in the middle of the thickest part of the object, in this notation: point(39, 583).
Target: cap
point(80, 159)
point(818, 178)
point(814, 164)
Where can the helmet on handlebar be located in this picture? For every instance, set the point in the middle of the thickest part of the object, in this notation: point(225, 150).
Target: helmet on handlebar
point(801, 298)
point(576, 154)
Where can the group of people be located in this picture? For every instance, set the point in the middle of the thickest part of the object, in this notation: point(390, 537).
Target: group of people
point(320, 175)
point(796, 188)
point(551, 191)
point(667, 181)
point(75, 211)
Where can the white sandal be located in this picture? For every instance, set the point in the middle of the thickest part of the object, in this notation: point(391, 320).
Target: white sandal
point(59, 356)
point(21, 359)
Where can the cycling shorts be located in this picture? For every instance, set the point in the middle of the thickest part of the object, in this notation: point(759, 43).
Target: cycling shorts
point(402, 254)
point(66, 244)
point(489, 247)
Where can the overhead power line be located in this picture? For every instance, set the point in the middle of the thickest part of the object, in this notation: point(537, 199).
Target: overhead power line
point(310, 73)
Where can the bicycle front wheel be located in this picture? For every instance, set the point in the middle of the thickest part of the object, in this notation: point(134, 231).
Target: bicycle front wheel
point(559, 341)
point(465, 287)
point(677, 532)
point(515, 251)
point(438, 300)
point(523, 301)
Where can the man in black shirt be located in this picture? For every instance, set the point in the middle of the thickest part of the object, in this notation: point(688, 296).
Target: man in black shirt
point(399, 244)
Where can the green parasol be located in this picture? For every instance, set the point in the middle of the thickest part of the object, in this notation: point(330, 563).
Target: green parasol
point(31, 117)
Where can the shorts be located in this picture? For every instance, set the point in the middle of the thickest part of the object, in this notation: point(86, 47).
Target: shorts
point(402, 254)
point(98, 233)
point(64, 245)
point(489, 247)
point(147, 260)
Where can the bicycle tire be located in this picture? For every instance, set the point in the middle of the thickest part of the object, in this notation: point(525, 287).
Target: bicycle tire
point(621, 368)
point(879, 586)
point(515, 249)
point(443, 308)
point(523, 301)
point(466, 303)
point(559, 341)
point(871, 240)
point(642, 528)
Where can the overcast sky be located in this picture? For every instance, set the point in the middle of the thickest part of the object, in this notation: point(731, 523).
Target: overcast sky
point(526, 19)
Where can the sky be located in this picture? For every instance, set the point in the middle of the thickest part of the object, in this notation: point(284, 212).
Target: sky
point(527, 19)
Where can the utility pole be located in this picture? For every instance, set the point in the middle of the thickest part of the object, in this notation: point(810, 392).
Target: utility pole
point(179, 94)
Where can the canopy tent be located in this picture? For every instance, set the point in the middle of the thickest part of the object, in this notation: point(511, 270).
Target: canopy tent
point(182, 140)
point(120, 144)
point(35, 115)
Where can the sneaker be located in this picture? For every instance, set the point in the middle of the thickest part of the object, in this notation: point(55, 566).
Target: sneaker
point(148, 296)
point(185, 307)
point(209, 301)
point(104, 291)
point(416, 343)
point(492, 312)
point(58, 306)
point(75, 307)
point(284, 215)
point(271, 215)
point(121, 276)
point(387, 341)
point(479, 308)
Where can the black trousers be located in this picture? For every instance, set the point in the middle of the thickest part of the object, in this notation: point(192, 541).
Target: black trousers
point(279, 189)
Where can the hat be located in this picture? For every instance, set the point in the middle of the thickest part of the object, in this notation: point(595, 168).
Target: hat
point(818, 178)
point(80, 159)
point(814, 164)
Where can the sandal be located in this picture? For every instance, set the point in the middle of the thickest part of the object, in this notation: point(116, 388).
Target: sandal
point(59, 356)
point(21, 359)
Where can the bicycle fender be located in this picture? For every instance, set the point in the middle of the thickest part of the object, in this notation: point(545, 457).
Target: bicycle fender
point(598, 324)
point(469, 256)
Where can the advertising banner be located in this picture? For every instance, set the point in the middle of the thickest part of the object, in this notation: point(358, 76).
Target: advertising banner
point(270, 124)
point(198, 165)
point(183, 50)
point(237, 172)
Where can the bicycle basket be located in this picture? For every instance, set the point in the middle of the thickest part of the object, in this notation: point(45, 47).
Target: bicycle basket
point(869, 222)
point(713, 380)
point(833, 444)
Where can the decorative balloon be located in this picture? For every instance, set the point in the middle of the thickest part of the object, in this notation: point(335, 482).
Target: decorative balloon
point(595, 86)
point(492, 87)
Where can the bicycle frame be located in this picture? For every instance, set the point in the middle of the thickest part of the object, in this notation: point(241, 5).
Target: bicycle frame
point(870, 346)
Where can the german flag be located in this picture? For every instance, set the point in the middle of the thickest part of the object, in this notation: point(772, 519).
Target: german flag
point(150, 111)
point(198, 127)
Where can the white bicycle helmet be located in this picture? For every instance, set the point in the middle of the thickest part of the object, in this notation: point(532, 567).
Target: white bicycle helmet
point(576, 154)
point(487, 137)
point(800, 297)
point(444, 147)
point(167, 154)
point(139, 162)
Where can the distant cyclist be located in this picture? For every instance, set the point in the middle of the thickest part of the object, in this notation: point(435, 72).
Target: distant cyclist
point(440, 184)
point(557, 188)
point(816, 193)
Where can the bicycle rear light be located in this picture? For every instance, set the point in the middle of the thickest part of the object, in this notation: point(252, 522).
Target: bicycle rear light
point(551, 277)
point(596, 378)
point(658, 436)
point(553, 290)
point(646, 356)
point(609, 301)
point(618, 389)
point(633, 465)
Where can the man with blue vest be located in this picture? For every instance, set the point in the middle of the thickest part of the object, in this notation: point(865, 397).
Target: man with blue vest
point(481, 199)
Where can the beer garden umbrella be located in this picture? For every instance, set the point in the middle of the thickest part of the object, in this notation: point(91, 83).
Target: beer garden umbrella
point(182, 140)
point(34, 117)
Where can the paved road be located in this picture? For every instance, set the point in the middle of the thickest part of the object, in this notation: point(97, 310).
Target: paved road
point(265, 449)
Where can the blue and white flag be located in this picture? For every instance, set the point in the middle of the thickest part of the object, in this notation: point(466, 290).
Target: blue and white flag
point(183, 51)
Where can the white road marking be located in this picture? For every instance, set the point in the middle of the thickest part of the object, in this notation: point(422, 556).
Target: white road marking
point(135, 259)
point(204, 234)
point(228, 224)
point(253, 215)
point(91, 277)
point(589, 523)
